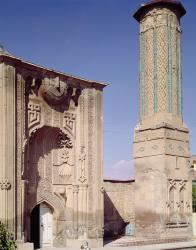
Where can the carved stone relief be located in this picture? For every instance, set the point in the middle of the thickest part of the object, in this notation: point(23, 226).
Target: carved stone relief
point(75, 188)
point(69, 122)
point(177, 203)
point(152, 134)
point(63, 141)
point(59, 92)
point(34, 116)
point(63, 164)
point(141, 149)
point(61, 192)
point(91, 154)
point(162, 89)
point(32, 85)
point(155, 147)
point(82, 158)
point(5, 184)
point(46, 143)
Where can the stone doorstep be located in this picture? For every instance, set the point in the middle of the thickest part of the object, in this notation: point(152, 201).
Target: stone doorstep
point(132, 241)
point(25, 246)
point(178, 245)
point(191, 245)
point(162, 246)
point(166, 246)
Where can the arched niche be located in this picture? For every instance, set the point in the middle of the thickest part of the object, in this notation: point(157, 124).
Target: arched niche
point(182, 199)
point(38, 170)
point(171, 202)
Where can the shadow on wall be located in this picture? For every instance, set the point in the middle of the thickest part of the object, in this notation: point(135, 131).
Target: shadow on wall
point(114, 225)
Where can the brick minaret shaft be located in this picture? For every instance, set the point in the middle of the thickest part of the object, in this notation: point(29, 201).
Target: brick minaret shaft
point(161, 140)
point(160, 61)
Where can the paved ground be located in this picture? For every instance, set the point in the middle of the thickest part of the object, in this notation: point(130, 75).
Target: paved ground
point(190, 245)
point(133, 243)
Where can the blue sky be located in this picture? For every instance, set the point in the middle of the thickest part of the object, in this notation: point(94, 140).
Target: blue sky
point(98, 39)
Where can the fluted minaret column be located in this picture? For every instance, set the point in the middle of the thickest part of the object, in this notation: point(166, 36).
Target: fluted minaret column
point(160, 62)
point(161, 140)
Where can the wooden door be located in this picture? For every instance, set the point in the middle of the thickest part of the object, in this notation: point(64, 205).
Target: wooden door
point(46, 220)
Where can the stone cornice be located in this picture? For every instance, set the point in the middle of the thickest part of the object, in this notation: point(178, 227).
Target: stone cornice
point(162, 125)
point(170, 4)
point(45, 71)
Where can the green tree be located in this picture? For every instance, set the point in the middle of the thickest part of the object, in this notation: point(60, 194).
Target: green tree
point(194, 197)
point(6, 239)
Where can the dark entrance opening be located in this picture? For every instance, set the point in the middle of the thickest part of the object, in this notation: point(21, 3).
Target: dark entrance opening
point(35, 227)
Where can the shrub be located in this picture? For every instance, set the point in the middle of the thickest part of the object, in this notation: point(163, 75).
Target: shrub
point(6, 239)
point(194, 197)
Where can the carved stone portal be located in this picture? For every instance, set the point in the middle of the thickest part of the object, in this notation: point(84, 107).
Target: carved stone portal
point(40, 163)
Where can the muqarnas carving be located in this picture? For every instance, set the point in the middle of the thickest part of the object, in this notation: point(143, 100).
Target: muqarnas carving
point(32, 86)
point(59, 92)
point(54, 91)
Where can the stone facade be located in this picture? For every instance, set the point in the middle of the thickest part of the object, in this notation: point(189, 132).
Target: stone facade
point(161, 139)
point(51, 148)
point(118, 207)
point(51, 152)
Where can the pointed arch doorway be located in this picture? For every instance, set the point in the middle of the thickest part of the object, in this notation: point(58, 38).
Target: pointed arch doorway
point(41, 226)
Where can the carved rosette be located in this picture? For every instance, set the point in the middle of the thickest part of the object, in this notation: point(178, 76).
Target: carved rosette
point(75, 188)
point(5, 184)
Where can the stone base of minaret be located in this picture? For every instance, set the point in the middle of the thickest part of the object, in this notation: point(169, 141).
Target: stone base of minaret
point(162, 185)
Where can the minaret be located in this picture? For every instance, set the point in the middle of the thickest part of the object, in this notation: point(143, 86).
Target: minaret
point(161, 140)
